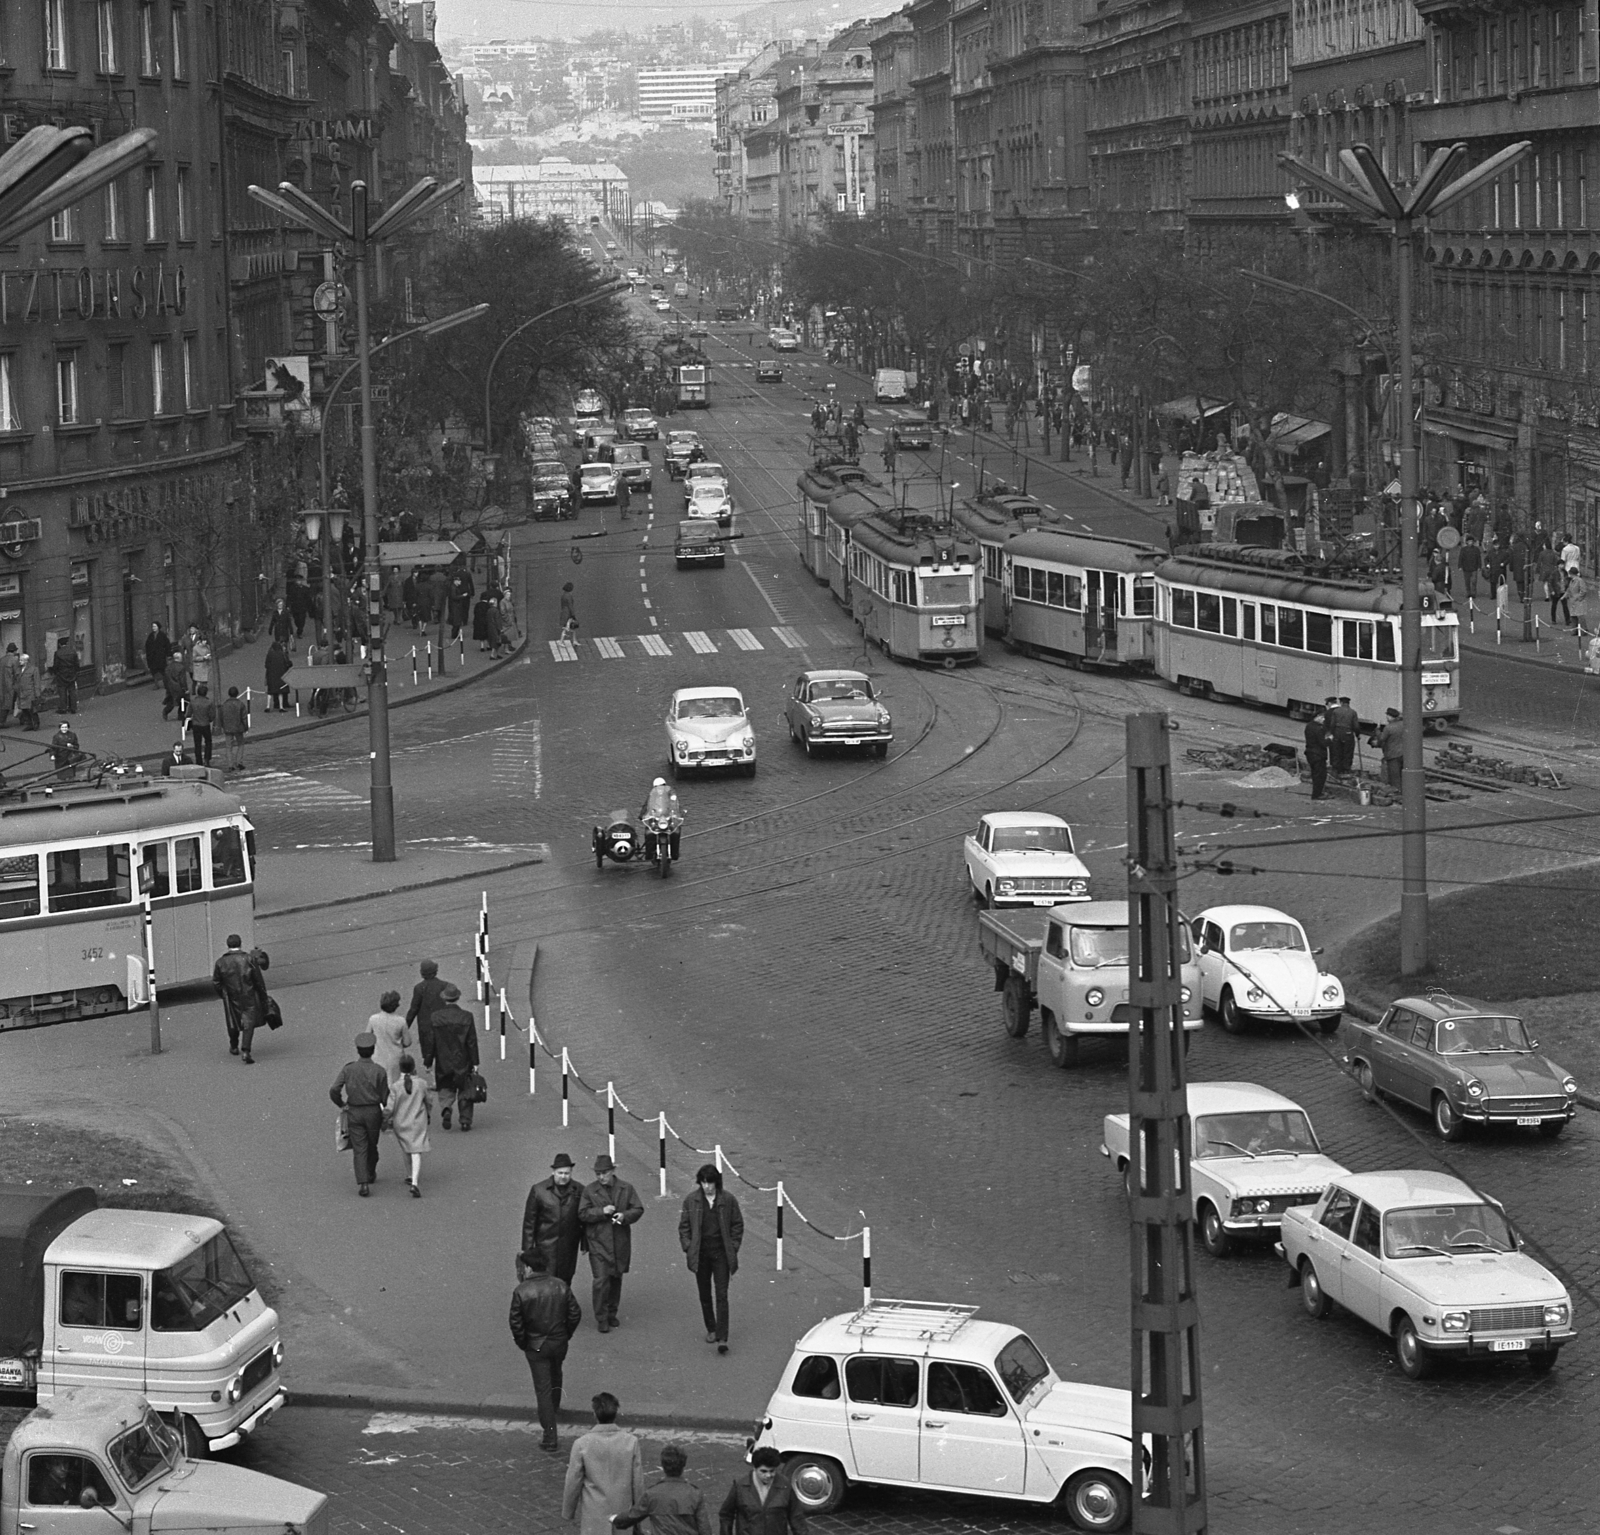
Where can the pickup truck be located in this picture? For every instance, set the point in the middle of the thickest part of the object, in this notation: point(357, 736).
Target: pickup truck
point(111, 1451)
point(1071, 962)
point(142, 1302)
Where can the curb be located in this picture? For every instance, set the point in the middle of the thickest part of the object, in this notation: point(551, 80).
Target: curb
point(1500, 653)
point(421, 884)
point(374, 1402)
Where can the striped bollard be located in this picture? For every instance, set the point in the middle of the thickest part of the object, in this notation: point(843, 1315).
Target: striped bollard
point(566, 1073)
point(461, 647)
point(780, 1225)
point(661, 1153)
point(430, 660)
point(1472, 616)
point(413, 666)
point(502, 1023)
point(866, 1265)
point(611, 1121)
point(533, 1058)
point(716, 1152)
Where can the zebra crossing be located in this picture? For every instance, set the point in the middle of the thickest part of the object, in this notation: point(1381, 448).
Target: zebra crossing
point(274, 789)
point(517, 759)
point(700, 642)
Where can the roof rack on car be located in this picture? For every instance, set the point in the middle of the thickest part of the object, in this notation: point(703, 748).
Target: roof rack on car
point(931, 1321)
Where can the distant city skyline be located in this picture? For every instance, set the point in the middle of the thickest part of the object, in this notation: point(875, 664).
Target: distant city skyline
point(481, 19)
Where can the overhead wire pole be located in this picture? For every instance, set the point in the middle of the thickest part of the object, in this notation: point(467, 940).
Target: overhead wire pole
point(1165, 1353)
point(1403, 209)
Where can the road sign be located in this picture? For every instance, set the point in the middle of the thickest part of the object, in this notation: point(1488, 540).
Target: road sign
point(965, 349)
point(1448, 537)
point(327, 301)
point(1392, 488)
point(381, 394)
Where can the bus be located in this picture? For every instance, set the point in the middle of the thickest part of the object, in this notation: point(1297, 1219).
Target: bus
point(74, 865)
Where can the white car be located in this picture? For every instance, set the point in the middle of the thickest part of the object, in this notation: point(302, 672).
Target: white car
point(1255, 962)
point(709, 499)
point(785, 341)
point(1253, 1156)
point(710, 727)
point(589, 403)
point(1432, 1264)
point(918, 1394)
point(1024, 858)
point(632, 274)
point(704, 472)
point(597, 482)
point(663, 306)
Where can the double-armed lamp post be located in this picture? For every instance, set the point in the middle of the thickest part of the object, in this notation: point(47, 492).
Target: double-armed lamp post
point(358, 240)
point(1373, 196)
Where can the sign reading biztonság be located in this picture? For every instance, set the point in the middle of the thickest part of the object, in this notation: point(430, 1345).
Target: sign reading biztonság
point(51, 294)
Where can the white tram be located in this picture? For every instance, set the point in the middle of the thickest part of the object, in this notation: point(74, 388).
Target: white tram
point(1079, 598)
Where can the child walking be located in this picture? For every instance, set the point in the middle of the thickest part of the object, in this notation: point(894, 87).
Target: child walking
point(408, 1114)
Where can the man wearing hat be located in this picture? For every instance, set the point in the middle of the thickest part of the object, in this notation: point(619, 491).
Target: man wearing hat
point(450, 1047)
point(610, 1206)
point(550, 1219)
point(361, 1089)
point(1389, 738)
point(1317, 753)
point(1342, 722)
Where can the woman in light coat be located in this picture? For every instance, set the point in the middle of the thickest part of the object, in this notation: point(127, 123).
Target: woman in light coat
point(408, 1113)
point(390, 1030)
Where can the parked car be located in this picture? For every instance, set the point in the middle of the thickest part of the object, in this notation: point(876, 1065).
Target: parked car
point(919, 1394)
point(699, 543)
point(729, 312)
point(911, 432)
point(1253, 1156)
point(548, 503)
point(639, 425)
point(836, 708)
point(769, 372)
point(710, 727)
point(1257, 964)
point(548, 472)
point(1431, 1264)
point(596, 482)
point(709, 499)
point(1463, 1063)
point(1024, 858)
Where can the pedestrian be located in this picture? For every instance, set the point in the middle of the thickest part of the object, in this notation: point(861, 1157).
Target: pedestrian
point(492, 624)
point(673, 1506)
point(411, 596)
point(64, 751)
point(480, 623)
point(176, 758)
point(605, 1475)
point(449, 1042)
point(1389, 738)
point(1343, 726)
point(277, 668)
point(710, 1231)
point(461, 590)
point(408, 1113)
point(1577, 600)
point(281, 624)
point(157, 648)
point(569, 612)
point(10, 670)
point(1470, 562)
point(550, 1219)
point(202, 717)
point(176, 682)
point(1570, 553)
point(392, 1033)
point(362, 1089)
point(199, 657)
point(438, 595)
point(425, 998)
point(298, 596)
point(1439, 571)
point(544, 1316)
point(610, 1207)
point(1125, 457)
point(394, 598)
point(1556, 587)
point(1317, 753)
point(29, 688)
point(64, 667)
point(233, 716)
point(1163, 489)
point(624, 497)
point(243, 990)
point(761, 1501)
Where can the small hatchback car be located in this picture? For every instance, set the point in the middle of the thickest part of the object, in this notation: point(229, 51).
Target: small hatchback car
point(919, 1394)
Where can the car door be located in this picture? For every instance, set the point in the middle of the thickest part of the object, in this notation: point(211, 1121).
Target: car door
point(100, 1338)
point(792, 711)
point(1210, 942)
point(1361, 1269)
point(885, 1417)
point(1328, 1238)
point(53, 1485)
point(971, 1438)
point(1387, 1042)
point(1409, 1042)
point(977, 848)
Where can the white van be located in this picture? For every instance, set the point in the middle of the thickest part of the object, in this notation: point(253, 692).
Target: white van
point(889, 386)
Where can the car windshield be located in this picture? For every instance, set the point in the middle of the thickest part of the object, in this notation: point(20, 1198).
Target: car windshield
point(709, 709)
point(1020, 1367)
point(1265, 935)
point(551, 467)
point(1031, 839)
point(711, 492)
point(1093, 947)
point(144, 1452)
point(840, 688)
point(705, 470)
point(1432, 1230)
point(194, 1292)
point(597, 471)
point(1255, 1133)
point(1481, 1036)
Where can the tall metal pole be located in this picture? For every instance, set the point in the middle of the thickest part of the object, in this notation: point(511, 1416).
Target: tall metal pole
point(1413, 796)
point(378, 681)
point(1165, 1364)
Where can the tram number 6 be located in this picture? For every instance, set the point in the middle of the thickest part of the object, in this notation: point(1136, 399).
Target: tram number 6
point(94, 953)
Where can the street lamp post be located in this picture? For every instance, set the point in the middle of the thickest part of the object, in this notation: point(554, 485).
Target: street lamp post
point(291, 203)
point(1373, 196)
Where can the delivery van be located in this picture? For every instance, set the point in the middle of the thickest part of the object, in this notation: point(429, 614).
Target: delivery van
point(889, 386)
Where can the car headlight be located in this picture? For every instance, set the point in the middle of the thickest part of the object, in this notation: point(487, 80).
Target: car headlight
point(1330, 992)
point(1474, 1089)
point(1094, 996)
point(1456, 1321)
point(683, 748)
point(883, 718)
point(1570, 1086)
point(236, 1387)
point(1555, 1316)
point(1255, 994)
point(1077, 886)
point(1185, 993)
point(1007, 885)
point(277, 1355)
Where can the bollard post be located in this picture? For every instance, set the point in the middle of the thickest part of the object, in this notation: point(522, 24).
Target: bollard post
point(150, 977)
point(566, 1072)
point(717, 1153)
point(461, 647)
point(661, 1142)
point(413, 666)
point(533, 1058)
point(780, 1225)
point(611, 1121)
point(430, 660)
point(866, 1265)
point(502, 1023)
point(1472, 616)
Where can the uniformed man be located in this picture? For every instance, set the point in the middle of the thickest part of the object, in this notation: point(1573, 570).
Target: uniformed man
point(660, 804)
point(1389, 738)
point(362, 1089)
point(1317, 753)
point(550, 1219)
point(1342, 726)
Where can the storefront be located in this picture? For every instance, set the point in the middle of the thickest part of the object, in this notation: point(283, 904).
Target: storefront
point(1470, 454)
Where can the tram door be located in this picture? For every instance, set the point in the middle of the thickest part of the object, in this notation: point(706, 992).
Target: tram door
point(1100, 604)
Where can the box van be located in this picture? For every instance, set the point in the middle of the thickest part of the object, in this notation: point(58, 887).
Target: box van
point(889, 385)
point(681, 289)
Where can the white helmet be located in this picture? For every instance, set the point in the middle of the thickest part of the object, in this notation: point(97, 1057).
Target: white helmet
point(660, 783)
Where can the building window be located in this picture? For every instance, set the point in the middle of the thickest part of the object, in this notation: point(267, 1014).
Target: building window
point(64, 226)
point(152, 202)
point(56, 53)
point(67, 388)
point(185, 205)
point(110, 54)
point(288, 73)
point(191, 374)
point(119, 405)
point(160, 378)
point(10, 420)
point(116, 208)
point(149, 42)
point(180, 42)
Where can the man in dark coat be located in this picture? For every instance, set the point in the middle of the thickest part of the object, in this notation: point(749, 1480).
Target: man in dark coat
point(1343, 723)
point(438, 595)
point(1317, 752)
point(610, 1208)
point(425, 997)
point(298, 596)
point(243, 990)
point(1389, 738)
point(64, 667)
point(450, 1045)
point(175, 679)
point(761, 1501)
point(711, 1231)
point(362, 1089)
point(157, 648)
point(672, 1506)
point(202, 717)
point(544, 1315)
point(550, 1219)
point(277, 667)
point(64, 751)
point(461, 591)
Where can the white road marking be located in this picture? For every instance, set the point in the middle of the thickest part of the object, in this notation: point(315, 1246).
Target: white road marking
point(275, 788)
point(745, 640)
point(439, 1422)
point(564, 650)
point(700, 642)
point(610, 649)
point(654, 645)
point(518, 760)
point(787, 635)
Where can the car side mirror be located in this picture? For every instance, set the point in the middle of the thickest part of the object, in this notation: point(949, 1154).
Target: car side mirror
point(1316, 951)
point(88, 1498)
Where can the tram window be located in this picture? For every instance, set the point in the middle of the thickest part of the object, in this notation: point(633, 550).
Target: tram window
point(1182, 608)
point(1057, 588)
point(902, 588)
point(154, 858)
point(1074, 593)
point(991, 561)
point(1029, 583)
point(1230, 615)
point(186, 863)
point(1208, 612)
point(19, 886)
point(952, 591)
point(82, 877)
point(227, 857)
point(1269, 624)
point(1144, 597)
point(1356, 640)
point(1247, 611)
point(1291, 629)
point(1319, 633)
point(1386, 641)
point(1439, 642)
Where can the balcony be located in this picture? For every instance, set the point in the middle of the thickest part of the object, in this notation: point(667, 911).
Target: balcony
point(1461, 13)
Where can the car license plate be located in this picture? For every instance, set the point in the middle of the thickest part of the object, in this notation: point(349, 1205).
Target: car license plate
point(1436, 679)
point(1507, 1345)
point(1528, 1119)
point(949, 621)
point(846, 740)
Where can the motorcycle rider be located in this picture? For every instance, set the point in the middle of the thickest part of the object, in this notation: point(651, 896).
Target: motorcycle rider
point(660, 804)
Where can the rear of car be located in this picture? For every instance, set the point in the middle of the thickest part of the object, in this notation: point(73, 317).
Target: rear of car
point(912, 432)
point(699, 543)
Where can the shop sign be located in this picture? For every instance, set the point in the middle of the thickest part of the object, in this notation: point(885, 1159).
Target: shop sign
point(342, 130)
point(50, 295)
point(125, 510)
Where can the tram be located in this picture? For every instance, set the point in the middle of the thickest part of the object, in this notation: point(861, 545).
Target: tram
point(73, 866)
point(1080, 598)
point(1269, 626)
point(819, 486)
point(992, 519)
point(914, 583)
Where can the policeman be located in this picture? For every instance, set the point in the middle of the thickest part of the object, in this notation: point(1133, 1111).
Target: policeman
point(362, 1089)
point(660, 804)
point(1343, 723)
point(1317, 753)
